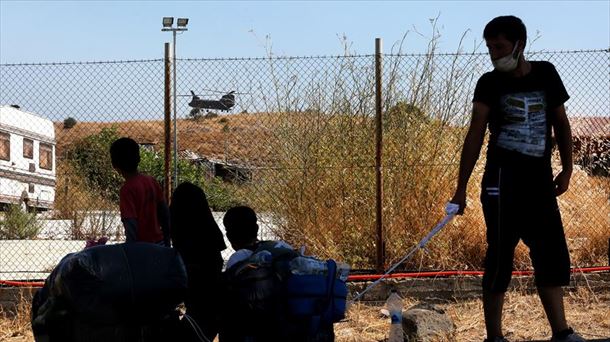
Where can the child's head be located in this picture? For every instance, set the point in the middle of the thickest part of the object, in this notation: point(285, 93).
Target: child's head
point(241, 227)
point(125, 155)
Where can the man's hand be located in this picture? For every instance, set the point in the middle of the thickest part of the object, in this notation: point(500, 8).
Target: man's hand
point(470, 151)
point(460, 199)
point(563, 135)
point(562, 182)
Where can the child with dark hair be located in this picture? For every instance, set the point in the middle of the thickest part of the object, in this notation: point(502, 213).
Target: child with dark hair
point(242, 230)
point(196, 236)
point(254, 288)
point(241, 227)
point(144, 212)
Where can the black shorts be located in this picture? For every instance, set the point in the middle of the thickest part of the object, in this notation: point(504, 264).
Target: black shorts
point(521, 205)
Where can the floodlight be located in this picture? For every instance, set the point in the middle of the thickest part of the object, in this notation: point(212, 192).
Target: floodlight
point(182, 22)
point(168, 21)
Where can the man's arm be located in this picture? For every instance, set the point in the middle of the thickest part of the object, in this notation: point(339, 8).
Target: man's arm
point(470, 151)
point(131, 229)
point(563, 136)
point(128, 214)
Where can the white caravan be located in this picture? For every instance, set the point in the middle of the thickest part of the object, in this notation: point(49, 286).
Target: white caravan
point(27, 159)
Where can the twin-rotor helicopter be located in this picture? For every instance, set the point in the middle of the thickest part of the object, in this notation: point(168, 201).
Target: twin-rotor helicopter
point(224, 104)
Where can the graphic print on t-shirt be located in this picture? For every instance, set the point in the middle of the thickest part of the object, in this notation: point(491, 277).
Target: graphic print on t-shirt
point(523, 127)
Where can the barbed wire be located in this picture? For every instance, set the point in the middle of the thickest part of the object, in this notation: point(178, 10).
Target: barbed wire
point(228, 59)
point(132, 61)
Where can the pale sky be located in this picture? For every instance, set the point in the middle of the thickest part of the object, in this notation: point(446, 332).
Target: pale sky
point(53, 31)
point(93, 31)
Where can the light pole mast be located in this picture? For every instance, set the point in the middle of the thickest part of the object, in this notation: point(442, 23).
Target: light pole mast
point(168, 23)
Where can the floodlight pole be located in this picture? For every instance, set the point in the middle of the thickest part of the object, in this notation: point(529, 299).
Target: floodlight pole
point(174, 30)
point(380, 264)
point(175, 115)
point(167, 112)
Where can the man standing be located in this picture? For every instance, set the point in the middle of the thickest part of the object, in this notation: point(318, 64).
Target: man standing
point(522, 103)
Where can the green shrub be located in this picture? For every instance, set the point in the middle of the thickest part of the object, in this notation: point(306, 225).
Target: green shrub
point(221, 195)
point(18, 224)
point(69, 122)
point(91, 160)
point(90, 157)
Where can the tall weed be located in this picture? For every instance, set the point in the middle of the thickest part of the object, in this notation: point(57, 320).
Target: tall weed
point(321, 187)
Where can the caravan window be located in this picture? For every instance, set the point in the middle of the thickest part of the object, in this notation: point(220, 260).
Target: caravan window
point(5, 146)
point(28, 148)
point(46, 156)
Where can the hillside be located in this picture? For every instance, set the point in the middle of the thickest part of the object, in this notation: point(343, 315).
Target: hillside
point(242, 137)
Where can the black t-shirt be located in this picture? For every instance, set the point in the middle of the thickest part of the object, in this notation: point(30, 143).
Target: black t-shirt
point(520, 114)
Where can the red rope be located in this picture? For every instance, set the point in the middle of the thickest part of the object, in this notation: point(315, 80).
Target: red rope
point(369, 277)
point(21, 283)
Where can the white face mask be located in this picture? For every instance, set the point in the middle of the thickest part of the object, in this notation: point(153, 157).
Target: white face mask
point(509, 62)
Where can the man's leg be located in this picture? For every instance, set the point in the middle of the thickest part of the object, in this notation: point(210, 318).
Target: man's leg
point(549, 254)
point(502, 239)
point(552, 301)
point(493, 302)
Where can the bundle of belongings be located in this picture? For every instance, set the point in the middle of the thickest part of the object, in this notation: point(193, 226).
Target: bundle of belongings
point(124, 292)
point(277, 294)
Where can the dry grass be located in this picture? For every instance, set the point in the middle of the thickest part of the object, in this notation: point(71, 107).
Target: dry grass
point(15, 326)
point(524, 318)
point(322, 186)
point(585, 210)
point(74, 200)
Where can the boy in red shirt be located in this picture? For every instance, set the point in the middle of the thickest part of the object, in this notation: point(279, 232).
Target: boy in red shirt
point(144, 213)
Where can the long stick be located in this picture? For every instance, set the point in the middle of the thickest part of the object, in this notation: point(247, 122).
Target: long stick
point(420, 245)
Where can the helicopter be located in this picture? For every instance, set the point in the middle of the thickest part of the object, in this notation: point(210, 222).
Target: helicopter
point(225, 103)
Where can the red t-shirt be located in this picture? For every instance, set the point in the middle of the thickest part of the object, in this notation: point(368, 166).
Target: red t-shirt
point(139, 198)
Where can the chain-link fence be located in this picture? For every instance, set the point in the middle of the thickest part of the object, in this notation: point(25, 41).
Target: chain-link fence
point(298, 145)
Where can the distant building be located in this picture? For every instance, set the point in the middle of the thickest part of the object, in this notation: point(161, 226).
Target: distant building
point(27, 159)
point(590, 126)
point(591, 138)
point(147, 145)
point(226, 170)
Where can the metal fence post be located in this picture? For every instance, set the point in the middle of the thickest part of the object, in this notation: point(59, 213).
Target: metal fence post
point(378, 150)
point(166, 128)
